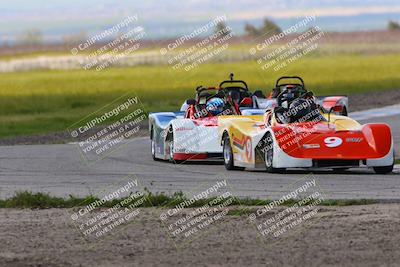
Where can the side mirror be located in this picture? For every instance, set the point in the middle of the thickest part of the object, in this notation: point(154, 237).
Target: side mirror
point(191, 102)
point(334, 109)
point(246, 102)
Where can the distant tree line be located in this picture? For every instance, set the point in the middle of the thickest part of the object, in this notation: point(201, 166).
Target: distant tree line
point(393, 26)
point(35, 36)
point(269, 27)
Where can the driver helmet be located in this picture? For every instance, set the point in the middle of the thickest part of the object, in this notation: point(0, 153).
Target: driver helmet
point(288, 97)
point(299, 108)
point(215, 106)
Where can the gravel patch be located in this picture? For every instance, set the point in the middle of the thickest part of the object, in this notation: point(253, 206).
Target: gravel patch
point(335, 236)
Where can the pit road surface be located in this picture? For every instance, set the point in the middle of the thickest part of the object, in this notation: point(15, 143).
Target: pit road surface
point(60, 171)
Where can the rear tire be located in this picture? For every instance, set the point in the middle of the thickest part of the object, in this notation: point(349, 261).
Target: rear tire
point(385, 169)
point(228, 155)
point(269, 156)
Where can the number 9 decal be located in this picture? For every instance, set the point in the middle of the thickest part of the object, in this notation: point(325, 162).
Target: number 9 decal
point(333, 141)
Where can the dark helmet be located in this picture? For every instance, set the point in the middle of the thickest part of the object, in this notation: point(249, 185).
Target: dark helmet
point(299, 108)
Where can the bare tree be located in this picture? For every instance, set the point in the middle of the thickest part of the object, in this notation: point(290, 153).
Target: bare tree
point(75, 38)
point(269, 27)
point(222, 28)
point(251, 30)
point(393, 26)
point(31, 37)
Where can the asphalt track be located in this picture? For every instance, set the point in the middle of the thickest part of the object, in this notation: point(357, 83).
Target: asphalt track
point(60, 171)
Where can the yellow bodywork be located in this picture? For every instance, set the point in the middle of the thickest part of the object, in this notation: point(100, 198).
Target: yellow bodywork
point(246, 131)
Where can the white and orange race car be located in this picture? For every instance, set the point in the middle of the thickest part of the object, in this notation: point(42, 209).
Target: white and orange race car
point(299, 134)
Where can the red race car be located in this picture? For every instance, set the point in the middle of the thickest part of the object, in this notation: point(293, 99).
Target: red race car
point(299, 134)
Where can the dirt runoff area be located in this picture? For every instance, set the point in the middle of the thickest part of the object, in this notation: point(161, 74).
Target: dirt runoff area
point(349, 236)
point(374, 99)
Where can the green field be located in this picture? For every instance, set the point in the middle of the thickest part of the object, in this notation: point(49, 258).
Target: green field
point(44, 101)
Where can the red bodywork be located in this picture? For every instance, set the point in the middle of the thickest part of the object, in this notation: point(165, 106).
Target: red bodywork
point(185, 156)
point(322, 141)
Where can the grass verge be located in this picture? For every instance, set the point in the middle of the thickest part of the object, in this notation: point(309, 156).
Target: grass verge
point(39, 102)
point(31, 200)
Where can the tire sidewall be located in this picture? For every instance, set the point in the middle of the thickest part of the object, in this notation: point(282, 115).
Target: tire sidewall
point(226, 144)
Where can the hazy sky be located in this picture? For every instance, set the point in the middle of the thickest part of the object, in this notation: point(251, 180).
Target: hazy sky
point(55, 17)
point(190, 9)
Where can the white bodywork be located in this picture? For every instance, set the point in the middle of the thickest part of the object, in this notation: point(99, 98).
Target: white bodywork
point(194, 139)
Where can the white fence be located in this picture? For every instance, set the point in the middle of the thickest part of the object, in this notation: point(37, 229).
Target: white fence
point(79, 62)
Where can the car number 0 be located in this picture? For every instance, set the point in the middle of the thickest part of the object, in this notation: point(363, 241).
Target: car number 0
point(333, 141)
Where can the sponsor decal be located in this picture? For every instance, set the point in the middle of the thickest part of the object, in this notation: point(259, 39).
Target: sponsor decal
point(354, 140)
point(239, 143)
point(311, 146)
point(244, 144)
point(179, 129)
point(333, 141)
point(248, 149)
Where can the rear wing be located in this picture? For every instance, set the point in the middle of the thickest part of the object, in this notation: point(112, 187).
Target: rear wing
point(162, 119)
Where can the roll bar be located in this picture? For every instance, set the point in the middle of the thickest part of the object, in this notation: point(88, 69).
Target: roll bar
point(290, 77)
point(232, 81)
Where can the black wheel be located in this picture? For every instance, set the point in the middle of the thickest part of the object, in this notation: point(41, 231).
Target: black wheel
point(153, 145)
point(228, 155)
point(153, 149)
point(269, 155)
point(171, 150)
point(385, 169)
point(170, 145)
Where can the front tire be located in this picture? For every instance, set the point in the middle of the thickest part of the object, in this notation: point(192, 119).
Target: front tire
point(171, 151)
point(153, 145)
point(228, 155)
point(269, 155)
point(153, 150)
